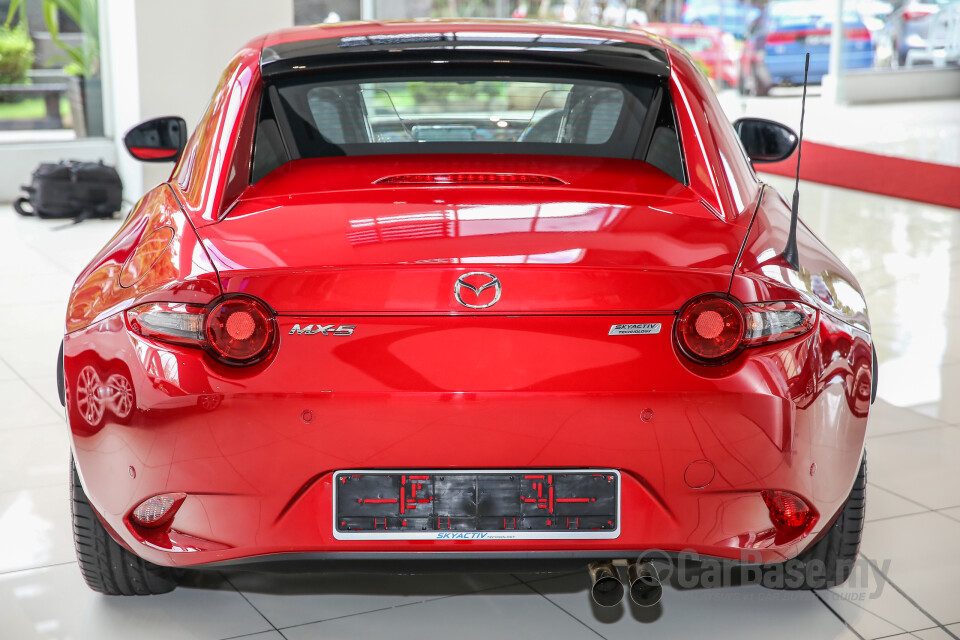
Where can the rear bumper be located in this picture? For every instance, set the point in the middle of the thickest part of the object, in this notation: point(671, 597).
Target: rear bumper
point(256, 456)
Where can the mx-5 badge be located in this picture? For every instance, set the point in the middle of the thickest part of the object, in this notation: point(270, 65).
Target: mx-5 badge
point(323, 329)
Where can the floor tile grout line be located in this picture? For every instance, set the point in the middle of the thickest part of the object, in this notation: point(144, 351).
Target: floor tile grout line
point(403, 604)
point(247, 600)
point(903, 497)
point(905, 633)
point(902, 515)
point(532, 588)
point(56, 407)
point(875, 615)
point(45, 566)
point(877, 436)
point(839, 617)
point(29, 386)
point(907, 597)
point(251, 635)
point(361, 613)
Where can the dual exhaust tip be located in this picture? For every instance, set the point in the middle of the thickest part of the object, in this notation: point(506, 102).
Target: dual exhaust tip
point(607, 590)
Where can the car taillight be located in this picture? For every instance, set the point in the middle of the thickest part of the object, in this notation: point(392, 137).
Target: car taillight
point(862, 34)
point(776, 321)
point(782, 37)
point(710, 328)
point(787, 510)
point(180, 323)
point(239, 330)
point(916, 14)
point(713, 328)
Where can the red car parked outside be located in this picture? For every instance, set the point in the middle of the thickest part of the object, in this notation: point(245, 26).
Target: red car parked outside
point(716, 51)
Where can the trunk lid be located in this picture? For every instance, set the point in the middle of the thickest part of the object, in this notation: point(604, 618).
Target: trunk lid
point(616, 236)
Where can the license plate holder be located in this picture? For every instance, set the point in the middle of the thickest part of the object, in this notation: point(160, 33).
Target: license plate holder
point(476, 505)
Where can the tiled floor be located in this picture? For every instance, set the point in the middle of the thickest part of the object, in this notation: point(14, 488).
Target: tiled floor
point(905, 255)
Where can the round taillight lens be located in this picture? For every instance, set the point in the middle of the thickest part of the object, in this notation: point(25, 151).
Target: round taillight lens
point(710, 328)
point(240, 330)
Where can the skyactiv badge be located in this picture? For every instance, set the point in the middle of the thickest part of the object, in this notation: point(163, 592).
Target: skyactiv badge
point(634, 329)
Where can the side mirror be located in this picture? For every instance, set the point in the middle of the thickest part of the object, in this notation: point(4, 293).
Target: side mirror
point(766, 140)
point(157, 140)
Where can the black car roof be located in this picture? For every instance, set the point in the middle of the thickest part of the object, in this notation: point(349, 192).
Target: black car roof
point(611, 54)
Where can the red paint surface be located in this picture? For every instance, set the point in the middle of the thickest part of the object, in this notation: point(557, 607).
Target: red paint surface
point(884, 175)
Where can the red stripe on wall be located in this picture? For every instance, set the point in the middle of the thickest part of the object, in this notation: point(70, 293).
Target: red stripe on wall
point(885, 175)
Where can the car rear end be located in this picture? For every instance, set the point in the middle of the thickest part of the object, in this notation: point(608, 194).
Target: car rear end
point(471, 310)
point(800, 27)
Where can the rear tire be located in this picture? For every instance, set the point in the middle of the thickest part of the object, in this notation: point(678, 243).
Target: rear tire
point(829, 562)
point(106, 566)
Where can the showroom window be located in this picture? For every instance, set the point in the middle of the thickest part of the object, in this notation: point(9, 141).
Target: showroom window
point(50, 81)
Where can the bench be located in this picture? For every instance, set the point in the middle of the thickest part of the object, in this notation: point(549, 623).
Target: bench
point(49, 91)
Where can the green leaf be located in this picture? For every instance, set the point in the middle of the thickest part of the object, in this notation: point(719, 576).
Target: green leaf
point(16, 5)
point(85, 57)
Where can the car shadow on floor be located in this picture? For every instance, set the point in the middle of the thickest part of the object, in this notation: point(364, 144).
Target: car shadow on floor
point(560, 588)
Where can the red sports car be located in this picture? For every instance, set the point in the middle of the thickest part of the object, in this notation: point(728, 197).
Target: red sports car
point(464, 291)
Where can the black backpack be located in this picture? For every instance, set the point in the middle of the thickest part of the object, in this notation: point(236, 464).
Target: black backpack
point(72, 189)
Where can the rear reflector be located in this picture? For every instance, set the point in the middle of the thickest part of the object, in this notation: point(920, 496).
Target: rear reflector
point(787, 510)
point(470, 178)
point(157, 510)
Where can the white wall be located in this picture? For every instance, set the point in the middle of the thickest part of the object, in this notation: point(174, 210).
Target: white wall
point(165, 59)
point(895, 85)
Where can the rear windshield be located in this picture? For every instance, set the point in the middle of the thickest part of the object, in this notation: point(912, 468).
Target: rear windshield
point(466, 113)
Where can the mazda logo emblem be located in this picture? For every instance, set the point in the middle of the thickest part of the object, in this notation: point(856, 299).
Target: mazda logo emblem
point(481, 282)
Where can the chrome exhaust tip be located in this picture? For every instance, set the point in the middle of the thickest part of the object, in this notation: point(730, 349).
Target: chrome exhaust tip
point(645, 587)
point(606, 588)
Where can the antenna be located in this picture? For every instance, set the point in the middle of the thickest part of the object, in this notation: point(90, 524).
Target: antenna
point(790, 252)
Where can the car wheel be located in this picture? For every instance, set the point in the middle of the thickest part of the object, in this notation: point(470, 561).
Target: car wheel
point(829, 562)
point(105, 565)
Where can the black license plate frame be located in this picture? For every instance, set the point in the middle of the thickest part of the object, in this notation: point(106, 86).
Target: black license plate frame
point(476, 504)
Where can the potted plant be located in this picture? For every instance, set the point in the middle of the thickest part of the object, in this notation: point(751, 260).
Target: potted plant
point(16, 55)
point(86, 97)
point(83, 59)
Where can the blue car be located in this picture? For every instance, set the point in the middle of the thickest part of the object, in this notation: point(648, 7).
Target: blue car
point(731, 16)
point(776, 43)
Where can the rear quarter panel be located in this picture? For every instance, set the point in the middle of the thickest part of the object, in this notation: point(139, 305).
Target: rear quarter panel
point(831, 413)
